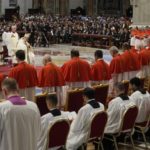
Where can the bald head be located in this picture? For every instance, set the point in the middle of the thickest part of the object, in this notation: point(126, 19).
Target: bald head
point(46, 59)
point(113, 51)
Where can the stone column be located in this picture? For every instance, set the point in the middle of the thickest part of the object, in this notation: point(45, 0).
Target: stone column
point(141, 12)
point(64, 7)
point(90, 7)
point(35, 3)
point(57, 7)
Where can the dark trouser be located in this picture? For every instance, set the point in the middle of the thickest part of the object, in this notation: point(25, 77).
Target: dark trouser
point(109, 145)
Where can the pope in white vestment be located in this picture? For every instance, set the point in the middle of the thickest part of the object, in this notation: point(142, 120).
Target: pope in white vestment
point(24, 45)
point(79, 129)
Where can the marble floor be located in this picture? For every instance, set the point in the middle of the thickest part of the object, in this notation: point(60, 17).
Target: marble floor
point(61, 53)
point(124, 147)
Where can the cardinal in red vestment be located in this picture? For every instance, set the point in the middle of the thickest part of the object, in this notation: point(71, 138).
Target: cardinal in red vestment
point(77, 72)
point(25, 75)
point(100, 69)
point(51, 78)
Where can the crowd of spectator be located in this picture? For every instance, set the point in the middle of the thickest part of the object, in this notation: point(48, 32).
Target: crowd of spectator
point(47, 29)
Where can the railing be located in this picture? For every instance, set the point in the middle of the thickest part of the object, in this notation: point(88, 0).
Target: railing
point(92, 40)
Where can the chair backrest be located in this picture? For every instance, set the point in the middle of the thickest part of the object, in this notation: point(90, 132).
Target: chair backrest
point(128, 119)
point(142, 82)
point(101, 93)
point(126, 85)
point(40, 100)
point(58, 133)
point(98, 124)
point(74, 100)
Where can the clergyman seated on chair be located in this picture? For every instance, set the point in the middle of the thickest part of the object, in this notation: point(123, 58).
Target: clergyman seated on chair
point(141, 98)
point(115, 111)
point(53, 115)
point(81, 124)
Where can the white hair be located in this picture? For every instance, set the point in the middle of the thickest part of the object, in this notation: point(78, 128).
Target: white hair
point(114, 48)
point(47, 57)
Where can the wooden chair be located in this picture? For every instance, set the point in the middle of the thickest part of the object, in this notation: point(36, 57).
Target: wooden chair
point(74, 100)
point(101, 93)
point(40, 100)
point(58, 133)
point(142, 127)
point(127, 125)
point(97, 127)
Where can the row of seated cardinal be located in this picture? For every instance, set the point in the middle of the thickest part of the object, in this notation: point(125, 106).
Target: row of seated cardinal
point(21, 127)
point(78, 73)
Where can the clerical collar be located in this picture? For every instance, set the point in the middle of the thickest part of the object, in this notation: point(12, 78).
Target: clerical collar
point(91, 100)
point(49, 63)
point(22, 62)
point(99, 59)
point(93, 103)
point(53, 109)
point(55, 112)
point(16, 100)
point(141, 91)
point(123, 96)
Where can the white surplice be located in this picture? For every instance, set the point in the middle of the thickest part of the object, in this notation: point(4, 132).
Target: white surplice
point(115, 111)
point(79, 129)
point(12, 43)
point(19, 126)
point(132, 41)
point(28, 52)
point(142, 101)
point(46, 121)
point(5, 38)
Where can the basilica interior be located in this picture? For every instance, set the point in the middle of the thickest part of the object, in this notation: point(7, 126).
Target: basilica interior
point(74, 75)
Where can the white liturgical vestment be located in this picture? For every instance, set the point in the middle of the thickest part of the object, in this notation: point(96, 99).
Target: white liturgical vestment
point(115, 111)
point(30, 57)
point(12, 43)
point(79, 129)
point(142, 101)
point(46, 121)
point(19, 126)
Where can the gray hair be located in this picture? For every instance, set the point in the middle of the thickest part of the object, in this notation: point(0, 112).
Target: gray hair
point(47, 57)
point(114, 48)
point(120, 86)
point(10, 84)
